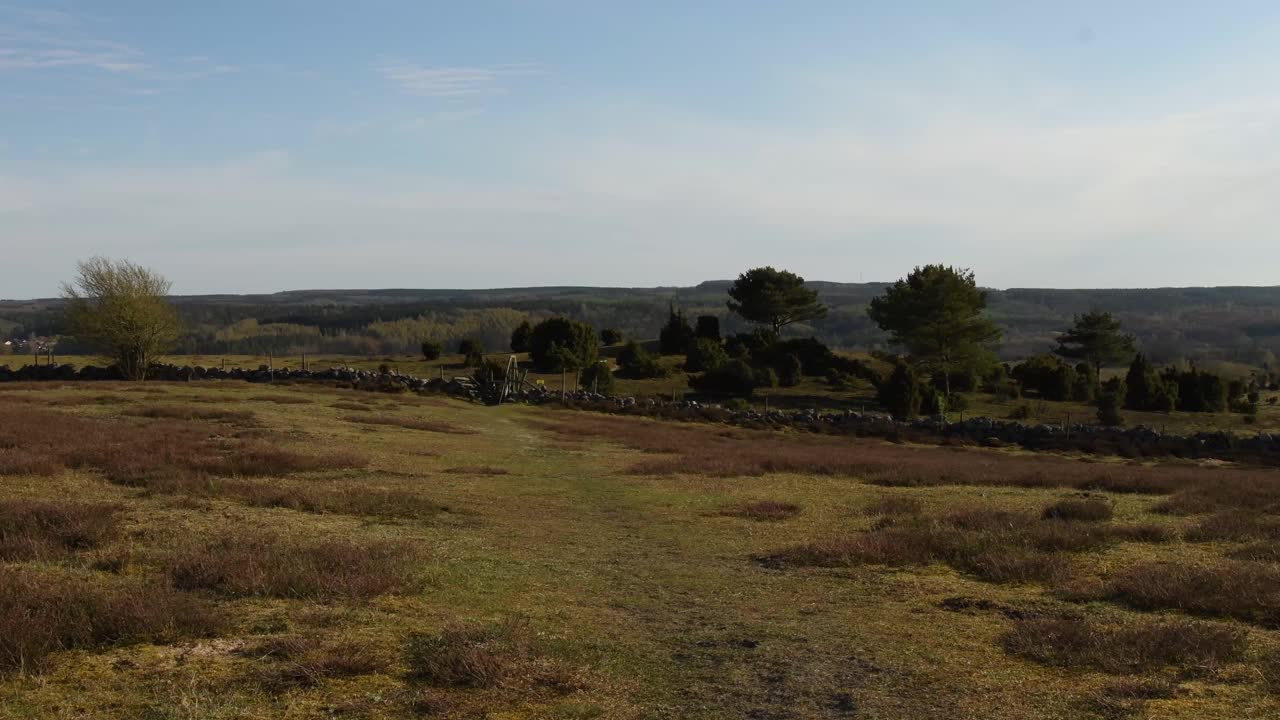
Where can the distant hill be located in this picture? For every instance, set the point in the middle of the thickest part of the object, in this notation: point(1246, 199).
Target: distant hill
point(1238, 324)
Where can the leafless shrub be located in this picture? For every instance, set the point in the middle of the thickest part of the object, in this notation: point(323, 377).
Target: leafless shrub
point(468, 655)
point(1236, 525)
point(436, 426)
point(367, 501)
point(1247, 591)
point(894, 505)
point(185, 412)
point(264, 564)
point(352, 406)
point(293, 661)
point(282, 399)
point(763, 510)
point(1125, 648)
point(42, 613)
point(44, 529)
point(477, 470)
point(1090, 509)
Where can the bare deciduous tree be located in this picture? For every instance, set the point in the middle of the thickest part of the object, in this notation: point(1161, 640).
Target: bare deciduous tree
point(122, 308)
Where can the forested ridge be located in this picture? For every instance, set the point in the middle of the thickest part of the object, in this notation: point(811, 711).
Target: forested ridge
point(1239, 324)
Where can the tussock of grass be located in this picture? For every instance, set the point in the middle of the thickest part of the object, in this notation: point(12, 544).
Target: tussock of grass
point(701, 450)
point(42, 614)
point(294, 661)
point(1236, 525)
point(1266, 552)
point(282, 399)
point(1247, 591)
point(893, 505)
point(374, 502)
point(1091, 509)
point(166, 455)
point(436, 426)
point(477, 656)
point(186, 412)
point(1269, 670)
point(41, 530)
point(1136, 647)
point(1128, 697)
point(985, 556)
point(1259, 494)
point(763, 511)
point(477, 470)
point(250, 564)
point(992, 544)
point(352, 406)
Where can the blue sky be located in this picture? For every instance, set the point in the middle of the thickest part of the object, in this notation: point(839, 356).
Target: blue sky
point(262, 146)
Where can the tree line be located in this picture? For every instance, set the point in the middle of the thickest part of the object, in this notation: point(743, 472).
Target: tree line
point(935, 319)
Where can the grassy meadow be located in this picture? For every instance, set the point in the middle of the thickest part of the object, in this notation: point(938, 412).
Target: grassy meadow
point(225, 550)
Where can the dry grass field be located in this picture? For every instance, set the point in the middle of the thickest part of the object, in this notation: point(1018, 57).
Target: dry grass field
point(204, 550)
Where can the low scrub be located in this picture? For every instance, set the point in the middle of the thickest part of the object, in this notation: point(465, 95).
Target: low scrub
point(282, 399)
point(763, 511)
point(167, 455)
point(268, 565)
point(992, 544)
point(41, 614)
point(351, 406)
point(41, 530)
point(1236, 525)
point(1252, 494)
point(1269, 670)
point(893, 506)
point(477, 470)
point(477, 656)
point(1129, 648)
point(293, 661)
point(1247, 591)
point(1126, 698)
point(364, 501)
point(703, 449)
point(185, 412)
point(1091, 509)
point(436, 426)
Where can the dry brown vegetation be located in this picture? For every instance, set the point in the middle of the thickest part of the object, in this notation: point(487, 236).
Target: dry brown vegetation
point(364, 500)
point(991, 544)
point(477, 470)
point(292, 661)
point(892, 505)
point(265, 564)
point(46, 529)
point(1236, 525)
point(1247, 591)
point(353, 406)
point(1135, 647)
point(168, 456)
point(763, 510)
point(697, 449)
point(281, 399)
point(243, 418)
point(41, 613)
point(1089, 509)
point(504, 654)
point(436, 426)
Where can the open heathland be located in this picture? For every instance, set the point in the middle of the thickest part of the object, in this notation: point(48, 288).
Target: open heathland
point(225, 550)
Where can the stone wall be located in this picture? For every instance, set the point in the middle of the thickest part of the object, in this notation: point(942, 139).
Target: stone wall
point(1132, 442)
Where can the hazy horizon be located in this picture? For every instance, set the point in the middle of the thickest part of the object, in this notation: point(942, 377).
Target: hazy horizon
point(242, 148)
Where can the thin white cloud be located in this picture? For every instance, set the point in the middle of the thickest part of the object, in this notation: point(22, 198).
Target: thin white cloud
point(39, 39)
point(452, 82)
